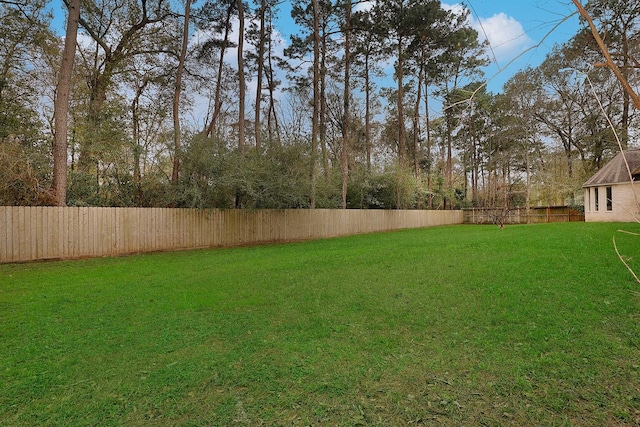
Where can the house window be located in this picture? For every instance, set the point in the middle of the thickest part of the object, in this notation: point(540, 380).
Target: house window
point(587, 204)
point(609, 199)
point(595, 199)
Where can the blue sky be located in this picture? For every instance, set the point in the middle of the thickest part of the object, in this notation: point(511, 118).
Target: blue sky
point(521, 32)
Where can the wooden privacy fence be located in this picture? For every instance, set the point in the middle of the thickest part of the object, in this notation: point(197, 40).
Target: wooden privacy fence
point(37, 233)
point(538, 214)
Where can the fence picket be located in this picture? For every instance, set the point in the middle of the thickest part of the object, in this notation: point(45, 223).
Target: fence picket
point(30, 233)
point(532, 215)
point(4, 231)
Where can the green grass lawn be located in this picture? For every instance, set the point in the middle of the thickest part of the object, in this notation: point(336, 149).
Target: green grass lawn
point(463, 325)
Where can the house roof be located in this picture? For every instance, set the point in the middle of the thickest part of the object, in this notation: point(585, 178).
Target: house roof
point(615, 172)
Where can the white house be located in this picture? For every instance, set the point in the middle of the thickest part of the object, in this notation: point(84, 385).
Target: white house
point(613, 193)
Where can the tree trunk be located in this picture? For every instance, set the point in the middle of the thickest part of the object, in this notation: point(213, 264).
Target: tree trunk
point(323, 103)
point(217, 102)
point(367, 118)
point(346, 122)
point(449, 165)
point(626, 98)
point(316, 99)
point(416, 125)
point(61, 106)
point(241, 79)
point(137, 150)
point(272, 123)
point(528, 195)
point(428, 127)
point(400, 105)
point(176, 95)
point(97, 97)
point(261, 44)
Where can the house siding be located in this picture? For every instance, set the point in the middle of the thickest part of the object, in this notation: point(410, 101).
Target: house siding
point(623, 209)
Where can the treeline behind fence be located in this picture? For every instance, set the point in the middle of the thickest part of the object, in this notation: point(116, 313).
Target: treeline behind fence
point(533, 215)
point(39, 233)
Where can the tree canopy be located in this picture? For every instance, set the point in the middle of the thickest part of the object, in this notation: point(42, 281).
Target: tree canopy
point(201, 104)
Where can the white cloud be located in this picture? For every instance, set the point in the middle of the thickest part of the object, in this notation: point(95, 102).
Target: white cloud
point(363, 6)
point(507, 38)
point(505, 34)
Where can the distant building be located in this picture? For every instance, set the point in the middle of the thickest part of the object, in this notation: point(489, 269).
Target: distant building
point(613, 193)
